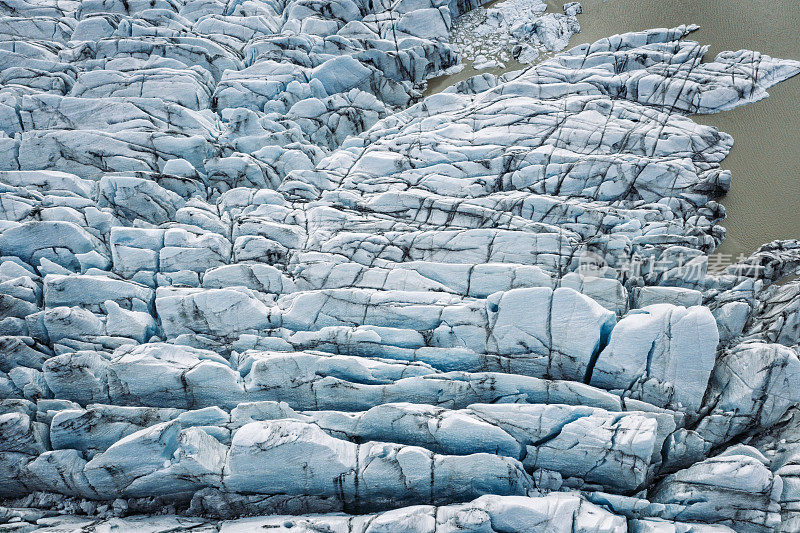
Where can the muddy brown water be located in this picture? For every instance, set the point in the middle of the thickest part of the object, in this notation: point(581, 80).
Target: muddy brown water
point(763, 203)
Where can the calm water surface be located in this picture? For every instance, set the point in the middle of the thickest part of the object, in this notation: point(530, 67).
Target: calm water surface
point(764, 200)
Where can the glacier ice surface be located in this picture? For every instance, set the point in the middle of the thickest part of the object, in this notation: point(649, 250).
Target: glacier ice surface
point(250, 278)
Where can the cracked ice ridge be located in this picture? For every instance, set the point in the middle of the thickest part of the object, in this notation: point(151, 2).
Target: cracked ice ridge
point(250, 278)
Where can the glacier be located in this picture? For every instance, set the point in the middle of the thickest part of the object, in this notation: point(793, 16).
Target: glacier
point(250, 278)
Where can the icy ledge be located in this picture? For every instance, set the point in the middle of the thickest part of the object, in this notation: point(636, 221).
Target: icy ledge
point(238, 279)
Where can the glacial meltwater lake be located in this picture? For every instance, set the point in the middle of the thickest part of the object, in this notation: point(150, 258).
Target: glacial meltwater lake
point(764, 200)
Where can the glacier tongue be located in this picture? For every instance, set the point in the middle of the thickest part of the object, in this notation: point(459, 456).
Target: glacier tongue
point(250, 278)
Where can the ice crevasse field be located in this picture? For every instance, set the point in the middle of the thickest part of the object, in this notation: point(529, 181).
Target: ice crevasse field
point(253, 278)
